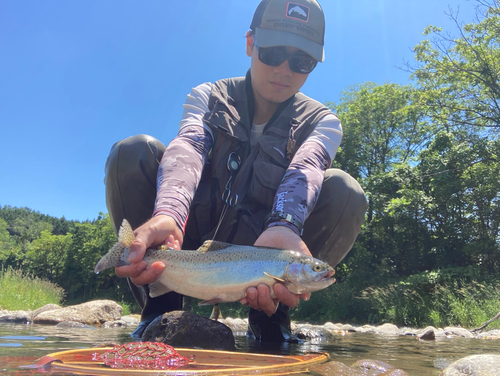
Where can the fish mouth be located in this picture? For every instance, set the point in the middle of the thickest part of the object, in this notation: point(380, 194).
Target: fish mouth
point(326, 277)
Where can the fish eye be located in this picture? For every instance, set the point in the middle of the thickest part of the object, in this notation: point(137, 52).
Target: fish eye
point(317, 268)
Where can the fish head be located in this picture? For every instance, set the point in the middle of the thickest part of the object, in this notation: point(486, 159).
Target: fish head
point(307, 274)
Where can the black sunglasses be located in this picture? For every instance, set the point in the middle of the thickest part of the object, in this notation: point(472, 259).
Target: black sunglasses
point(298, 61)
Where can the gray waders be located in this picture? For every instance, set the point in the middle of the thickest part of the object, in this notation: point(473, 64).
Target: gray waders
point(329, 232)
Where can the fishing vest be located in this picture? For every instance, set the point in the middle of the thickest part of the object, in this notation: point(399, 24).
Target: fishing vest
point(253, 187)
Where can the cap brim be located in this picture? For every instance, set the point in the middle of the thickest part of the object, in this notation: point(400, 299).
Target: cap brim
point(271, 38)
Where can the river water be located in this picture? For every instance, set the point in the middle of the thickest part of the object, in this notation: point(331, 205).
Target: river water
point(24, 344)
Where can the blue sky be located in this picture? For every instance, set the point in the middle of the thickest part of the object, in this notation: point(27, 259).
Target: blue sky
point(77, 76)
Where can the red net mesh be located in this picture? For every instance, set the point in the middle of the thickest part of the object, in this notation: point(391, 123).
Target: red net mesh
point(142, 355)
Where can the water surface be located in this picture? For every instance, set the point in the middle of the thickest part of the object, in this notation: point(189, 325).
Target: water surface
point(24, 344)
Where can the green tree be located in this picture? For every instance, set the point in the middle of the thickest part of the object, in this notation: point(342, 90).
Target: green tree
point(384, 127)
point(46, 256)
point(460, 76)
point(91, 241)
point(7, 253)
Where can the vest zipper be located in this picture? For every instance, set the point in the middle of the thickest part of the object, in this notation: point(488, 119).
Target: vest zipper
point(290, 144)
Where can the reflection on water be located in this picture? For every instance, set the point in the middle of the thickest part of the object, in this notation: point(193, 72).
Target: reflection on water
point(23, 344)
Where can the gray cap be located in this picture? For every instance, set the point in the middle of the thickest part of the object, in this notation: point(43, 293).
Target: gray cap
point(299, 23)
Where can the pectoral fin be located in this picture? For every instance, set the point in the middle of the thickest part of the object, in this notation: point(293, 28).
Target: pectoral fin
point(275, 278)
point(157, 288)
point(216, 313)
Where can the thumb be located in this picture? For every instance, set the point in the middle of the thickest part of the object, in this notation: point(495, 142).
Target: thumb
point(138, 248)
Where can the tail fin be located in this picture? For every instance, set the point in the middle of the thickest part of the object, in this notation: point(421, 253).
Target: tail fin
point(118, 254)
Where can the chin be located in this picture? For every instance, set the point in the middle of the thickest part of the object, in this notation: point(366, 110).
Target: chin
point(278, 99)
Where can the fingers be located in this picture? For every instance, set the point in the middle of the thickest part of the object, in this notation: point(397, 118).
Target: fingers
point(285, 296)
point(149, 275)
point(137, 249)
point(138, 273)
point(132, 270)
point(305, 296)
point(158, 230)
point(172, 243)
point(259, 298)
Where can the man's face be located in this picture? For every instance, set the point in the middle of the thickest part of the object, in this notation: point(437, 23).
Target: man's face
point(273, 84)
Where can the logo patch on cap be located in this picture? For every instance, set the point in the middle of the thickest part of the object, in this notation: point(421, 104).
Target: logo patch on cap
point(297, 12)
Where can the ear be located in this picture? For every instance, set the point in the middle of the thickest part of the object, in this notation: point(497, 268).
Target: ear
point(249, 43)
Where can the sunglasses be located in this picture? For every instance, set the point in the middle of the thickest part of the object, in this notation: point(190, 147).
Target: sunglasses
point(298, 61)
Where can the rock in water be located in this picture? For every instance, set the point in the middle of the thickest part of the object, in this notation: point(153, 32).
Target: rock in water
point(96, 312)
point(428, 335)
point(186, 329)
point(15, 316)
point(474, 365)
point(45, 308)
point(360, 368)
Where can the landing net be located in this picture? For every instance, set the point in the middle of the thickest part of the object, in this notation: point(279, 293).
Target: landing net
point(142, 355)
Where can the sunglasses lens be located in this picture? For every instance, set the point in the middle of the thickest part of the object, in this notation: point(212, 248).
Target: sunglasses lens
point(298, 62)
point(302, 64)
point(273, 56)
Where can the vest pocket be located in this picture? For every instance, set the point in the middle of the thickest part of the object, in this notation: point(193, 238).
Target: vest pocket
point(266, 177)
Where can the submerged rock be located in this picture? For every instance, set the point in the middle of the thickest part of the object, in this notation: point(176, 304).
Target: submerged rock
point(186, 329)
point(334, 369)
point(474, 365)
point(115, 324)
point(130, 320)
point(91, 313)
point(363, 367)
point(73, 325)
point(376, 367)
point(236, 325)
point(314, 333)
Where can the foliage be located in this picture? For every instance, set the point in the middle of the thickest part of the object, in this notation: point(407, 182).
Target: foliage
point(459, 76)
point(455, 296)
point(34, 242)
point(23, 291)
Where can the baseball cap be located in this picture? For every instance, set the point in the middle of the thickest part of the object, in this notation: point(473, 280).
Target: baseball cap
point(299, 23)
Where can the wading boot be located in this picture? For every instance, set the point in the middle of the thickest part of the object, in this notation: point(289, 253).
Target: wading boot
point(275, 328)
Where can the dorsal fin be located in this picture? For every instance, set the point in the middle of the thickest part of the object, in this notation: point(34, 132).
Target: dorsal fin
point(126, 234)
point(213, 245)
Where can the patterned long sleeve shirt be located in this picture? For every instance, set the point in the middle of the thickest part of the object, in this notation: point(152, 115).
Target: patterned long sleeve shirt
point(182, 163)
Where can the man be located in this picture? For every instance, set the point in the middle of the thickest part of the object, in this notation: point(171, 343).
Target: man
point(248, 166)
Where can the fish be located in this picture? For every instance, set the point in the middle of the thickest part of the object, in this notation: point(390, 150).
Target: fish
point(219, 272)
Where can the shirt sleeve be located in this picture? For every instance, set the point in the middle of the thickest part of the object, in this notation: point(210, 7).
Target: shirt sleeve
point(301, 185)
point(182, 163)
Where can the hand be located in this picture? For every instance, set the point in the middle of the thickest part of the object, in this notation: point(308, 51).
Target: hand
point(159, 230)
point(259, 297)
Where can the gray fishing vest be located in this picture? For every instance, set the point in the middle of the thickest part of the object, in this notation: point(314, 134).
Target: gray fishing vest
point(262, 168)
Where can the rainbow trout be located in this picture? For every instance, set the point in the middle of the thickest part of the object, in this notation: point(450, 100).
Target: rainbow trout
point(220, 272)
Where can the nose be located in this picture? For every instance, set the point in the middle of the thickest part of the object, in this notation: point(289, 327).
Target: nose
point(283, 69)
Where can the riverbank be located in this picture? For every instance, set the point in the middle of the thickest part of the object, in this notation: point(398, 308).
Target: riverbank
point(107, 314)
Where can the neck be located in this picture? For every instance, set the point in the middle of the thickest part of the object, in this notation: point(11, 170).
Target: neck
point(263, 109)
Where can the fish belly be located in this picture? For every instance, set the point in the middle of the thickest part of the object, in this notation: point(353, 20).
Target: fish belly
point(222, 283)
